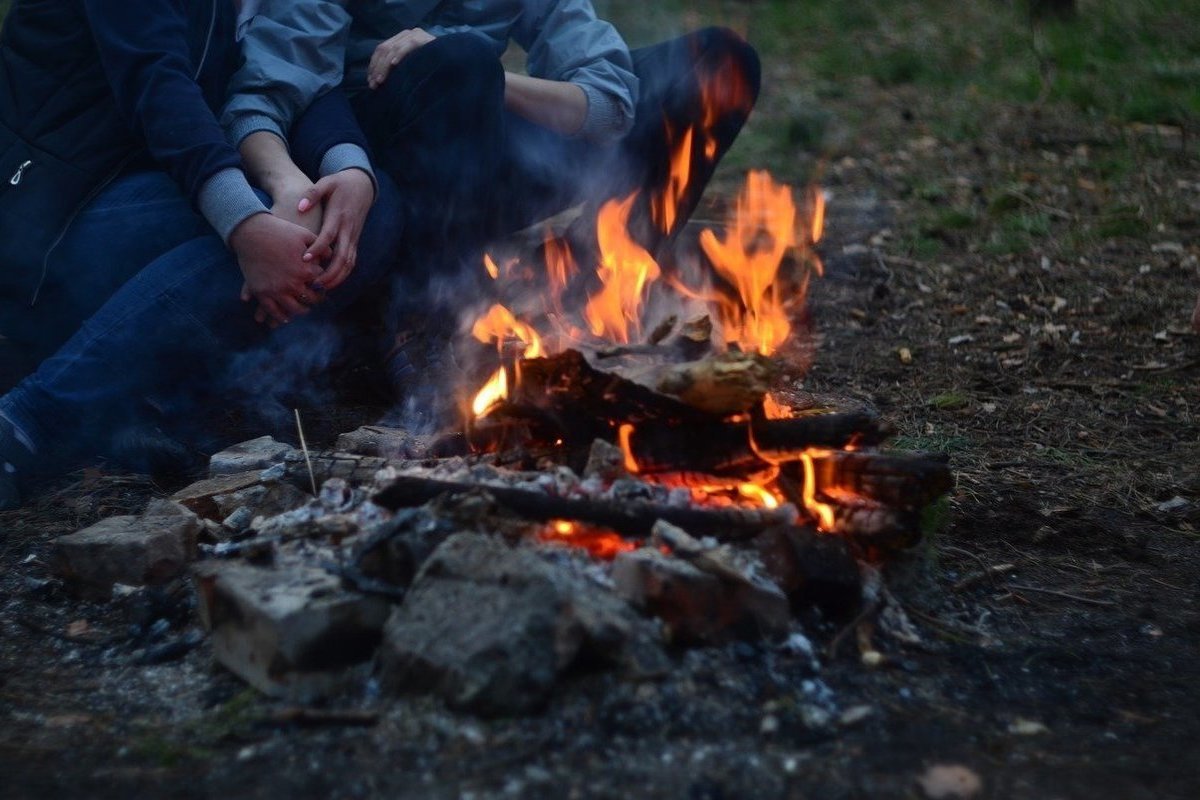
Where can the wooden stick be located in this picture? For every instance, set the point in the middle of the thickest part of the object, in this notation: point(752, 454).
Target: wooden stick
point(304, 446)
point(634, 519)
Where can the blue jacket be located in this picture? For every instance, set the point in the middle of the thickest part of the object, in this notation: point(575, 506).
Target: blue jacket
point(297, 49)
point(90, 86)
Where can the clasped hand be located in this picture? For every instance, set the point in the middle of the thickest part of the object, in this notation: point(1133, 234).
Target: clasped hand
point(305, 247)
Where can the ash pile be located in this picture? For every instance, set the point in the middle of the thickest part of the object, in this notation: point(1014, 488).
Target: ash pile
point(483, 579)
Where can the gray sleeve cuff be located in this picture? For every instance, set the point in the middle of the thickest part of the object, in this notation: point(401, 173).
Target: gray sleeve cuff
point(226, 200)
point(606, 120)
point(347, 156)
point(243, 125)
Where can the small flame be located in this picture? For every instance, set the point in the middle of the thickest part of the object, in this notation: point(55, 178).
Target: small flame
point(493, 271)
point(492, 393)
point(623, 438)
point(760, 234)
point(665, 207)
point(817, 223)
point(752, 491)
point(822, 511)
point(625, 271)
point(560, 267)
point(500, 324)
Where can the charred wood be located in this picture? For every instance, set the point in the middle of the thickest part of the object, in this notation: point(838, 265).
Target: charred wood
point(784, 439)
point(629, 518)
point(892, 479)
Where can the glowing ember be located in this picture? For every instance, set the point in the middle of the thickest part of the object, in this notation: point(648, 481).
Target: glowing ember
point(492, 393)
point(625, 270)
point(500, 324)
point(599, 542)
point(763, 229)
point(822, 511)
point(773, 409)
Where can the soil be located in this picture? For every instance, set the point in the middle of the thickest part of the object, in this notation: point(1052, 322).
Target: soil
point(1056, 610)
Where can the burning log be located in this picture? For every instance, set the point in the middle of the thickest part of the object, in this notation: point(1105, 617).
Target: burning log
point(891, 479)
point(784, 439)
point(725, 384)
point(633, 519)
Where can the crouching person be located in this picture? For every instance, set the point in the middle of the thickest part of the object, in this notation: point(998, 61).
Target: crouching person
point(135, 255)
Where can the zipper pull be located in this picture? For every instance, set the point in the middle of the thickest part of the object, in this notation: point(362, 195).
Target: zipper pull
point(16, 178)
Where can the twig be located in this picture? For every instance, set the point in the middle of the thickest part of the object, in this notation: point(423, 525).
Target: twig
point(312, 479)
point(975, 577)
point(1056, 593)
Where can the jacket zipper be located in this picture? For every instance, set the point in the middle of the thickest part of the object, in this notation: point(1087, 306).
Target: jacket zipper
point(16, 179)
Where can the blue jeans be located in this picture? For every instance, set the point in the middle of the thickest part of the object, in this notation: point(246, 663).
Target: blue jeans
point(176, 326)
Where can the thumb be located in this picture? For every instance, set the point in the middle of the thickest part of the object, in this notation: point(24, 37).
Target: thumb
point(315, 195)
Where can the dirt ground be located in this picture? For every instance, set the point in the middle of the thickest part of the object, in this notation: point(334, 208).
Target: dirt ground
point(1040, 273)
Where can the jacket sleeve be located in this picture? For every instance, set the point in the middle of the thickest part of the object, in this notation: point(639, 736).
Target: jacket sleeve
point(327, 138)
point(144, 52)
point(293, 53)
point(565, 41)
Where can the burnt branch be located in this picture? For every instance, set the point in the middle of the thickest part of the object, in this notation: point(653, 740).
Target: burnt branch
point(631, 519)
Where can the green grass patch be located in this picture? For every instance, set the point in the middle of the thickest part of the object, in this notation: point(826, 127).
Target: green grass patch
point(949, 401)
point(931, 443)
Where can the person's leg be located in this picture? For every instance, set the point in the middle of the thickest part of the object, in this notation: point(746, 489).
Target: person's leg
point(136, 218)
point(436, 126)
point(706, 82)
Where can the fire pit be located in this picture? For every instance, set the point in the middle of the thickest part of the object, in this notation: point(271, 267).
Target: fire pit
point(628, 476)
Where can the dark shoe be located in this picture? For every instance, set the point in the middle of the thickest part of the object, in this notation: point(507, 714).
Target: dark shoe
point(16, 464)
point(146, 449)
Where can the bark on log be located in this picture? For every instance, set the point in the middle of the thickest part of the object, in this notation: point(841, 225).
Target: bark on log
point(892, 479)
point(630, 519)
point(784, 439)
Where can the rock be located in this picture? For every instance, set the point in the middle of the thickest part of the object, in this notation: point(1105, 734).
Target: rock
point(812, 569)
point(605, 461)
point(377, 440)
point(261, 499)
point(490, 627)
point(137, 551)
point(289, 631)
point(256, 454)
point(950, 782)
point(201, 496)
point(699, 606)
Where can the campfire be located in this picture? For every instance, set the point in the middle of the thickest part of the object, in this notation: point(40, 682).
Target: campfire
point(630, 470)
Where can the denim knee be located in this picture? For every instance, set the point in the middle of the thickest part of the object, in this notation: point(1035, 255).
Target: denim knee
point(726, 52)
point(459, 70)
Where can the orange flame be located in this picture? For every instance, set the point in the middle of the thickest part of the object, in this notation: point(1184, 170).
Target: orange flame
point(494, 391)
point(560, 266)
point(752, 491)
point(623, 436)
point(822, 511)
point(665, 206)
point(760, 234)
point(773, 409)
point(817, 223)
point(492, 270)
point(625, 271)
point(500, 324)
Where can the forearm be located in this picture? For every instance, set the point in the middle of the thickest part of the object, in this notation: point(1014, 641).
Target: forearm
point(269, 164)
point(560, 106)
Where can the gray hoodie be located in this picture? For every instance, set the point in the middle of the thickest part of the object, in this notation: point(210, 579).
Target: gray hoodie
point(297, 49)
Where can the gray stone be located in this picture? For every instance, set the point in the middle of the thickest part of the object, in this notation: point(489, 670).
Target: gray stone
point(490, 627)
point(256, 454)
point(605, 461)
point(136, 551)
point(290, 631)
point(200, 497)
point(699, 606)
point(813, 569)
point(377, 440)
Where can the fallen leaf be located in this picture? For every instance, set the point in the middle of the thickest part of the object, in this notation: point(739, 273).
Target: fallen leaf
point(1026, 727)
point(950, 782)
point(905, 355)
